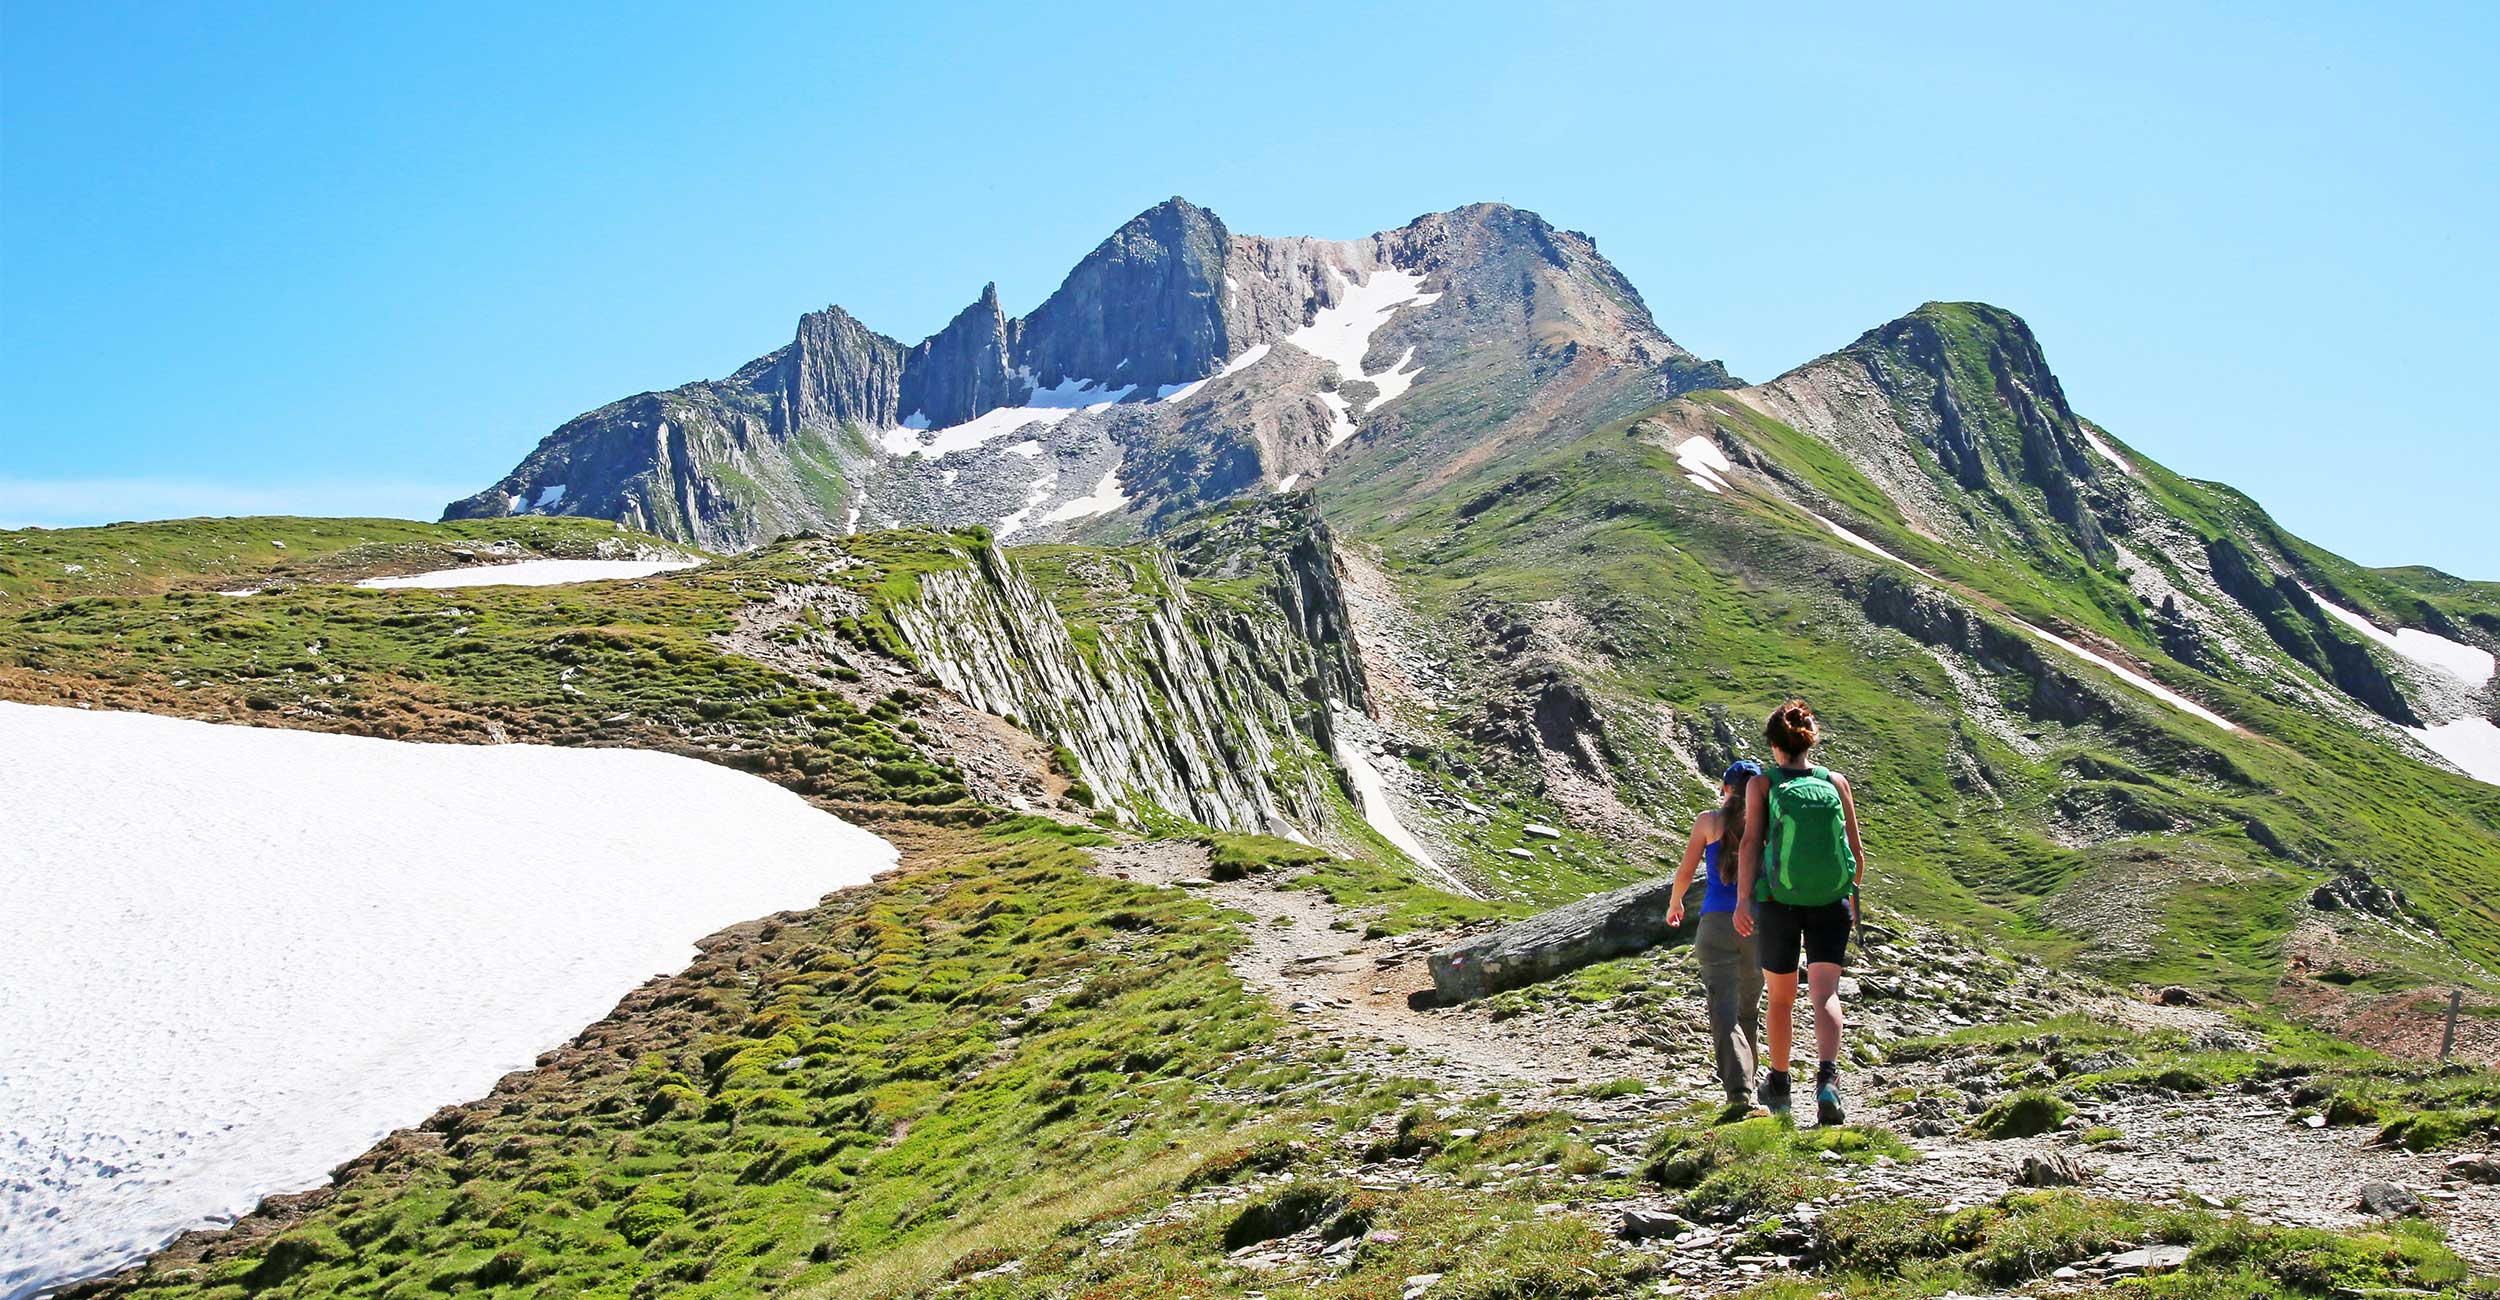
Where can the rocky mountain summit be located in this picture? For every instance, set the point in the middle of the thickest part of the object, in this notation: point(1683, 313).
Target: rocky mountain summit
point(1178, 364)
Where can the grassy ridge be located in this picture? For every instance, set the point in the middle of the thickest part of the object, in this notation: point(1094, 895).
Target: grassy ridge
point(805, 1102)
point(40, 565)
point(616, 662)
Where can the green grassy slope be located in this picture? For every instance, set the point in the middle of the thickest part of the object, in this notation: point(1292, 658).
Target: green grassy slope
point(137, 559)
point(2206, 842)
point(606, 663)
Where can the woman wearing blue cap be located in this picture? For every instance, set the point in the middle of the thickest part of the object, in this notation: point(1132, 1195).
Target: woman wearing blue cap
point(1731, 973)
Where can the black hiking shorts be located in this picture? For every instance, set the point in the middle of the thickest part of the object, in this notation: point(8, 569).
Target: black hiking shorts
point(1823, 932)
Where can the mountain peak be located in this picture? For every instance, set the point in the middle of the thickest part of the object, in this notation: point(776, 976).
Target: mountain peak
point(1487, 298)
point(1969, 381)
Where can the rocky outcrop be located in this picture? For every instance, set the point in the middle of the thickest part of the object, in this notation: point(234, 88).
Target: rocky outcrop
point(836, 372)
point(2053, 694)
point(962, 370)
point(1214, 712)
point(1146, 307)
point(2293, 619)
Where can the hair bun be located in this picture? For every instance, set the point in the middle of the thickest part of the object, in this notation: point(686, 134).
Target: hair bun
point(1791, 728)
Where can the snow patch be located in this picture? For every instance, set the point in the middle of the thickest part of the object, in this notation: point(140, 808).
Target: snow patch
point(1342, 334)
point(1027, 449)
point(1286, 484)
point(1047, 406)
point(1373, 794)
point(2473, 744)
point(2116, 669)
point(2110, 454)
point(1394, 381)
point(1035, 495)
point(1105, 498)
point(533, 573)
point(549, 495)
point(1181, 392)
point(2472, 665)
point(1706, 465)
point(234, 957)
point(850, 522)
point(1340, 417)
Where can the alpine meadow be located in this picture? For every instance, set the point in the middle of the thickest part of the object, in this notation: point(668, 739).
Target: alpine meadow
point(1270, 687)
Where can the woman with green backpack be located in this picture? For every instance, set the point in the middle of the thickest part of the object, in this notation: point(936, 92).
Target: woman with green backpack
point(1803, 821)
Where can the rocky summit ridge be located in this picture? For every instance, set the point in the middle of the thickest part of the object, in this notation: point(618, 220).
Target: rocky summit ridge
point(1178, 364)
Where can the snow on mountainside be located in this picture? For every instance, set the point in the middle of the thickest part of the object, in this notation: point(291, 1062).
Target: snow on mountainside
point(238, 955)
point(1178, 364)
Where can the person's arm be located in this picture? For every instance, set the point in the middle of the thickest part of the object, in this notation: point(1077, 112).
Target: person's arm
point(1849, 822)
point(1693, 846)
point(1749, 859)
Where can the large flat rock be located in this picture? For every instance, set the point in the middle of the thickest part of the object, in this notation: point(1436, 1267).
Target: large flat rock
point(1554, 943)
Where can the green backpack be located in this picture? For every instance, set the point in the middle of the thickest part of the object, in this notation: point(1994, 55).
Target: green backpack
point(1808, 847)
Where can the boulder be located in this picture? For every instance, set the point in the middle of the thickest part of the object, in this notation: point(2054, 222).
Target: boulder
point(2052, 1170)
point(1554, 943)
point(2388, 1201)
point(1642, 1225)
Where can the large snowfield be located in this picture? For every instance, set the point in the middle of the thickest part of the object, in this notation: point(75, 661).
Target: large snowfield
point(233, 957)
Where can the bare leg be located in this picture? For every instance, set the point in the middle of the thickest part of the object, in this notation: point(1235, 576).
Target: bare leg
point(1779, 1026)
point(1823, 986)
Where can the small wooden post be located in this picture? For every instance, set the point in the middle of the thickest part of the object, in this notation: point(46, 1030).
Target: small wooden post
point(2456, 999)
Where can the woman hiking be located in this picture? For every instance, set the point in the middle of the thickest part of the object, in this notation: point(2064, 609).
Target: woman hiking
point(1731, 974)
point(1804, 820)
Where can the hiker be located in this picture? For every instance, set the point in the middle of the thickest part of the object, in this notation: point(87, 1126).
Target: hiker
point(1731, 973)
point(1806, 821)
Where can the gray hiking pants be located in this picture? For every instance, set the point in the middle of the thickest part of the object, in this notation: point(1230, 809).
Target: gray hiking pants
point(1731, 980)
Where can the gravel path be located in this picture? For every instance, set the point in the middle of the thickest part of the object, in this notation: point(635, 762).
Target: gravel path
point(2242, 1150)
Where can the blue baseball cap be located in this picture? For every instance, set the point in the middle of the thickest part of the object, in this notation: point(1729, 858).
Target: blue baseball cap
point(1742, 769)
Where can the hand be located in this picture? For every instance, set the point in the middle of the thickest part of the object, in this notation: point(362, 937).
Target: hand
point(1744, 921)
point(1675, 915)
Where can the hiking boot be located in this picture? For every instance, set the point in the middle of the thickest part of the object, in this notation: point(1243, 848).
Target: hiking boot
point(1827, 1102)
point(1773, 1095)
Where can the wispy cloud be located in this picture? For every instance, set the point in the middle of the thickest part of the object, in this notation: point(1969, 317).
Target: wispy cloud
point(66, 503)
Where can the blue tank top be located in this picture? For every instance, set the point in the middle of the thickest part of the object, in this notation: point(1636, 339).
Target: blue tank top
point(1717, 895)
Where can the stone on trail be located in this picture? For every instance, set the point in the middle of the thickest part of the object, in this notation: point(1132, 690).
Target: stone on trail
point(2052, 1170)
point(1554, 943)
point(2149, 1259)
point(2475, 1169)
point(1641, 1225)
point(2388, 1201)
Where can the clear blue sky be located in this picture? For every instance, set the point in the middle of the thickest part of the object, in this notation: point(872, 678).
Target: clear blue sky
point(332, 259)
